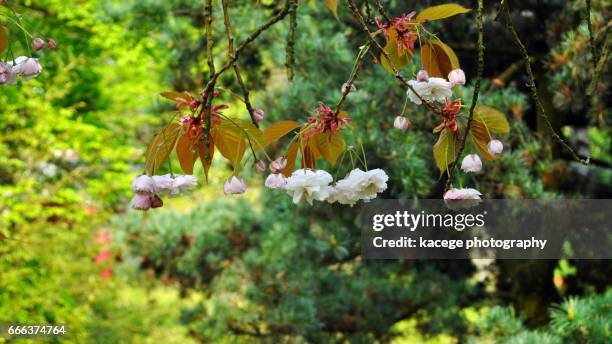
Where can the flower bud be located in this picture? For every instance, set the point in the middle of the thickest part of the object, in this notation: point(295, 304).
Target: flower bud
point(258, 114)
point(495, 147)
point(456, 77)
point(52, 43)
point(422, 76)
point(276, 181)
point(38, 43)
point(471, 163)
point(401, 123)
point(234, 186)
point(278, 165)
point(345, 88)
point(260, 166)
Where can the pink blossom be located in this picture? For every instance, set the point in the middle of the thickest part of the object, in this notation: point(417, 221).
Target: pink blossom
point(276, 181)
point(401, 123)
point(495, 147)
point(258, 114)
point(144, 184)
point(141, 202)
point(52, 43)
point(260, 166)
point(38, 43)
point(422, 76)
point(456, 77)
point(462, 198)
point(234, 186)
point(30, 68)
point(471, 163)
point(278, 165)
point(107, 273)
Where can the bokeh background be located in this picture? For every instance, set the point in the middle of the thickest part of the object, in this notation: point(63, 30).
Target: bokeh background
point(255, 268)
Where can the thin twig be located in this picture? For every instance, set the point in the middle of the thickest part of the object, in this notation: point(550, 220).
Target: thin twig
point(230, 53)
point(349, 84)
point(533, 88)
point(385, 54)
point(479, 72)
point(382, 11)
point(290, 54)
point(591, 37)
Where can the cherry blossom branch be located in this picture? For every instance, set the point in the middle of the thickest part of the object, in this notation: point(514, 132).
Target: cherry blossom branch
point(290, 54)
point(479, 72)
point(398, 76)
point(532, 86)
point(209, 93)
point(230, 53)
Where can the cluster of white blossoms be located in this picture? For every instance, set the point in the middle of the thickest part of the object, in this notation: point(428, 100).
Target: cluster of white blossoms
point(314, 185)
point(26, 67)
point(434, 89)
point(147, 189)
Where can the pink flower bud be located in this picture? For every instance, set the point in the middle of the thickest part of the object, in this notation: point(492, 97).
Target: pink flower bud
point(38, 43)
point(141, 202)
point(276, 181)
point(278, 165)
point(258, 114)
point(30, 68)
point(345, 88)
point(471, 163)
point(456, 77)
point(422, 76)
point(234, 186)
point(401, 123)
point(495, 147)
point(52, 43)
point(462, 198)
point(260, 166)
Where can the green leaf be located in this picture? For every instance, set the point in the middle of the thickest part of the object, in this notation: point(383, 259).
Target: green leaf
point(438, 58)
point(441, 12)
point(277, 130)
point(445, 150)
point(160, 147)
point(495, 121)
point(3, 38)
point(333, 6)
point(330, 146)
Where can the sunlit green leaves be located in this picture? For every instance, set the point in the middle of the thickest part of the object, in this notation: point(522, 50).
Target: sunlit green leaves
point(441, 12)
